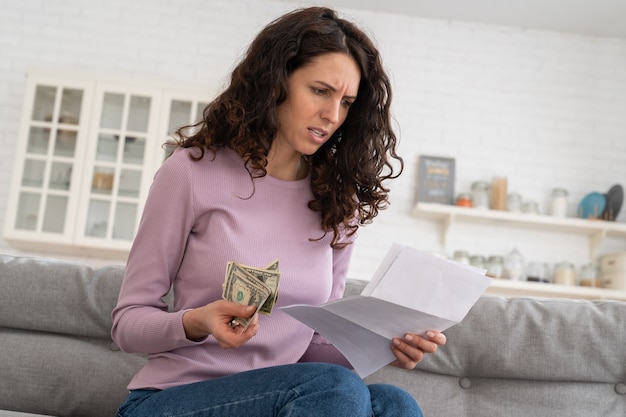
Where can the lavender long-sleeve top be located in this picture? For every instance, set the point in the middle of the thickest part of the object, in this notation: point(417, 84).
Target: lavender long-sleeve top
point(198, 216)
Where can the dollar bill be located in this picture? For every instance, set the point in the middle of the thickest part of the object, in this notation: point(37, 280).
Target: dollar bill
point(273, 266)
point(244, 288)
point(270, 277)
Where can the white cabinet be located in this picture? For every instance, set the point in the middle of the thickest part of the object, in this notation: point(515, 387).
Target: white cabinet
point(87, 152)
point(448, 216)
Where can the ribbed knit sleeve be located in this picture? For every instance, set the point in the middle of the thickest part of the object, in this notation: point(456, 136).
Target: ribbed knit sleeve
point(141, 322)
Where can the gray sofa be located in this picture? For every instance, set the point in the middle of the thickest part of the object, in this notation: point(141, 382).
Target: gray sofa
point(509, 357)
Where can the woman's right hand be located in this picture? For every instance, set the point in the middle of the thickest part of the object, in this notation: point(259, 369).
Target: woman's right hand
point(215, 319)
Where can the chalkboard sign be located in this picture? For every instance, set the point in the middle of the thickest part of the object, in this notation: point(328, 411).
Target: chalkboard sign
point(435, 181)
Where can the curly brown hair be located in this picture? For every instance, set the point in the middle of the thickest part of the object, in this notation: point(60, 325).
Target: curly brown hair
point(348, 171)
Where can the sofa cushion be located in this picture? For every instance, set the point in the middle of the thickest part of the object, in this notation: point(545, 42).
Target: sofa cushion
point(50, 373)
point(57, 354)
point(57, 296)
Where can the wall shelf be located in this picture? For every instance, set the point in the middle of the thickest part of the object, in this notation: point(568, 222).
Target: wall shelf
point(596, 230)
point(448, 215)
point(508, 288)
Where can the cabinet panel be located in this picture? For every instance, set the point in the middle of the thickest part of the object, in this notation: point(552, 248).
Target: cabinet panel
point(117, 162)
point(98, 218)
point(27, 211)
point(45, 186)
point(54, 216)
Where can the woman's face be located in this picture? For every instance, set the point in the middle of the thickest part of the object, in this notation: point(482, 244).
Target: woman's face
point(319, 95)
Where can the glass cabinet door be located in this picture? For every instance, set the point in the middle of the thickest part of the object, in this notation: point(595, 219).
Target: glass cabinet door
point(180, 110)
point(51, 145)
point(116, 162)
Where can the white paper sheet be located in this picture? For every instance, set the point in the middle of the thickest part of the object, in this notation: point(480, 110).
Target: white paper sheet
point(411, 292)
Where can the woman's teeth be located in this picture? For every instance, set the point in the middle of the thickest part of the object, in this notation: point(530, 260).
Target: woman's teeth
point(317, 133)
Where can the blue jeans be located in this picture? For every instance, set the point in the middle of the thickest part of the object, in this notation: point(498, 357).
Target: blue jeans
point(298, 390)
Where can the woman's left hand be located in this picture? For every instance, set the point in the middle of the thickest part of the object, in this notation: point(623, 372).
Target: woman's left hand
point(410, 350)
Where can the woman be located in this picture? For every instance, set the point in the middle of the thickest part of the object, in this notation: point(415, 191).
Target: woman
point(287, 163)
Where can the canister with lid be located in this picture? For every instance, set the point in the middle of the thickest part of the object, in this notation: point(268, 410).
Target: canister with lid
point(514, 202)
point(461, 256)
point(478, 261)
point(480, 195)
point(538, 272)
point(564, 274)
point(495, 266)
point(589, 276)
point(558, 202)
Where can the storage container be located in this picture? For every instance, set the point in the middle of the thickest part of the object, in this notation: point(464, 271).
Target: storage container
point(613, 271)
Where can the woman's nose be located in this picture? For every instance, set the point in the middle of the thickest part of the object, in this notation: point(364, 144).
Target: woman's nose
point(331, 111)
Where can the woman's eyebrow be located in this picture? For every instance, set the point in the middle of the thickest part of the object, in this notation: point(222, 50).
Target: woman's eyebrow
point(333, 89)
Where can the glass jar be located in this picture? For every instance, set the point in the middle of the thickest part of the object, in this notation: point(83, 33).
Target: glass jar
point(480, 195)
point(478, 261)
point(530, 207)
point(514, 202)
point(589, 276)
point(564, 274)
point(558, 202)
point(537, 272)
point(514, 265)
point(495, 266)
point(461, 256)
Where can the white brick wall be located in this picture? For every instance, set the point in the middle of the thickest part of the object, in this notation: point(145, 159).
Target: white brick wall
point(545, 109)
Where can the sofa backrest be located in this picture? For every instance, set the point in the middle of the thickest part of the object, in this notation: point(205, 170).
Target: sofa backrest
point(57, 357)
point(525, 357)
point(508, 357)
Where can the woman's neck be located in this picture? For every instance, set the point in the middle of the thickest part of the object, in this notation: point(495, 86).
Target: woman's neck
point(288, 171)
point(287, 167)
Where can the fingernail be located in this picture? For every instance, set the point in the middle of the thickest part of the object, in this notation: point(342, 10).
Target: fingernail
point(396, 342)
point(430, 335)
point(408, 337)
point(249, 308)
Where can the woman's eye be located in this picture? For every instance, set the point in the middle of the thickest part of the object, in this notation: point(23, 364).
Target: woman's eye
point(318, 91)
point(347, 103)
